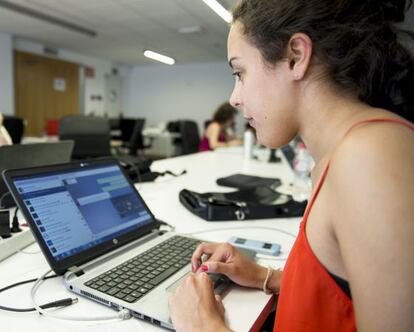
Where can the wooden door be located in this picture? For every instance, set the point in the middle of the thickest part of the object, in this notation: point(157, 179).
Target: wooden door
point(45, 88)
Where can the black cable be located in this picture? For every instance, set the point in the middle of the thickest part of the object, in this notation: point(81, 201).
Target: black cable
point(59, 303)
point(163, 223)
point(7, 193)
point(15, 224)
point(169, 173)
point(137, 172)
point(174, 174)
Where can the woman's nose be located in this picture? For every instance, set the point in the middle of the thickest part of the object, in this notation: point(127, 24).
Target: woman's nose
point(235, 98)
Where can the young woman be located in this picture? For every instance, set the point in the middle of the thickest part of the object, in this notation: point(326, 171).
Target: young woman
point(335, 73)
point(216, 134)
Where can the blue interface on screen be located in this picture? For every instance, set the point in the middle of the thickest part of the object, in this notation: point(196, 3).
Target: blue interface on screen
point(79, 209)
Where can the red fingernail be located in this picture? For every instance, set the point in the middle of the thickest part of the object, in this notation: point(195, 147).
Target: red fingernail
point(193, 268)
point(204, 268)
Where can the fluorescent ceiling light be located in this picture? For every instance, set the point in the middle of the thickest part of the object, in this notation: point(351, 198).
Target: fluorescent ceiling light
point(191, 29)
point(159, 57)
point(219, 9)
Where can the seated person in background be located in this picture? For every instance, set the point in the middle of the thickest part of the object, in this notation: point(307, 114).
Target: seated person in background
point(5, 138)
point(215, 135)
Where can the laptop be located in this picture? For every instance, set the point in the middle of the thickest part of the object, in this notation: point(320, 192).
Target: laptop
point(32, 155)
point(96, 230)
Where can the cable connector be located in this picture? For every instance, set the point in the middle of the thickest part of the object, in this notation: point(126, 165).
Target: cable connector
point(60, 303)
point(15, 224)
point(124, 314)
point(163, 223)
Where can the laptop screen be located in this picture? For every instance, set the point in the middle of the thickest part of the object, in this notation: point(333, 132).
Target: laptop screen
point(75, 210)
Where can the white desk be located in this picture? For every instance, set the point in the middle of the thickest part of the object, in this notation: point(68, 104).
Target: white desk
point(243, 306)
point(42, 139)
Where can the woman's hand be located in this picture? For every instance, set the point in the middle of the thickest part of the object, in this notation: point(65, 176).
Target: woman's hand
point(234, 142)
point(194, 307)
point(225, 259)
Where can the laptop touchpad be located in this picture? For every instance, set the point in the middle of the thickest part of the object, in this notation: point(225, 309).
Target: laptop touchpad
point(221, 283)
point(171, 288)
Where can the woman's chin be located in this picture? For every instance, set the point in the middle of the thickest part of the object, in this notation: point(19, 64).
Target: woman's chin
point(265, 142)
point(271, 142)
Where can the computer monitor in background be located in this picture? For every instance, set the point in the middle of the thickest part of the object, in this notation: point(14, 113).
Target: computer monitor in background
point(31, 155)
point(91, 135)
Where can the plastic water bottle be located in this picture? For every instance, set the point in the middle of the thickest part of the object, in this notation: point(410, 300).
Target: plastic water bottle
point(302, 166)
point(248, 142)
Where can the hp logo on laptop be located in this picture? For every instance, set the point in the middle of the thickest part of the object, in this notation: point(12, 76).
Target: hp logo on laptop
point(115, 241)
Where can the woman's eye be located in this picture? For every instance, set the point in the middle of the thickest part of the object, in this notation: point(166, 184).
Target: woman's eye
point(238, 75)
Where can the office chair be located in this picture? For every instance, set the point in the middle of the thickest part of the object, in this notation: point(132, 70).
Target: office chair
point(136, 143)
point(15, 127)
point(90, 134)
point(127, 127)
point(189, 136)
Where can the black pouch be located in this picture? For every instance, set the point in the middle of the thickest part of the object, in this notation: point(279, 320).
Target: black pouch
point(243, 181)
point(255, 203)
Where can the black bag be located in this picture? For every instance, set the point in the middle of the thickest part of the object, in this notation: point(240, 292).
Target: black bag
point(255, 203)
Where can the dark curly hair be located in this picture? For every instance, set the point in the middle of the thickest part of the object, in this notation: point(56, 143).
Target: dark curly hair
point(356, 40)
point(224, 113)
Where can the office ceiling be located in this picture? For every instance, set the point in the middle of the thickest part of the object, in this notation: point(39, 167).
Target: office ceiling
point(126, 27)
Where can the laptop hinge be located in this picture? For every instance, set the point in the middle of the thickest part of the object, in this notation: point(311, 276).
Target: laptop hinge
point(76, 270)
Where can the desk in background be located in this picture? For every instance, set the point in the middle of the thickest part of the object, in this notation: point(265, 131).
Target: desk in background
point(162, 142)
point(245, 308)
point(42, 139)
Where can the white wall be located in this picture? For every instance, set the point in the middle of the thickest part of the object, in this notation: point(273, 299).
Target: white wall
point(163, 93)
point(6, 74)
point(159, 92)
point(93, 86)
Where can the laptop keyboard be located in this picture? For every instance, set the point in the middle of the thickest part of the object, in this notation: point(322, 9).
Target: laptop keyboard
point(136, 277)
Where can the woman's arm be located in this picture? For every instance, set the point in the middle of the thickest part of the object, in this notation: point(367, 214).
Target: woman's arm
point(194, 307)
point(5, 138)
point(213, 133)
point(226, 259)
point(372, 181)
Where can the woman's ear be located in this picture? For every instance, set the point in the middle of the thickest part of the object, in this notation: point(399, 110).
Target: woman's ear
point(299, 55)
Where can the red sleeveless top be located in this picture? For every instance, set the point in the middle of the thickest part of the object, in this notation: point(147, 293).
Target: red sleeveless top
point(310, 300)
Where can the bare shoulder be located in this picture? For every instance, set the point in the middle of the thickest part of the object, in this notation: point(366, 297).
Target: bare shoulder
point(213, 127)
point(375, 152)
point(371, 185)
point(374, 164)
